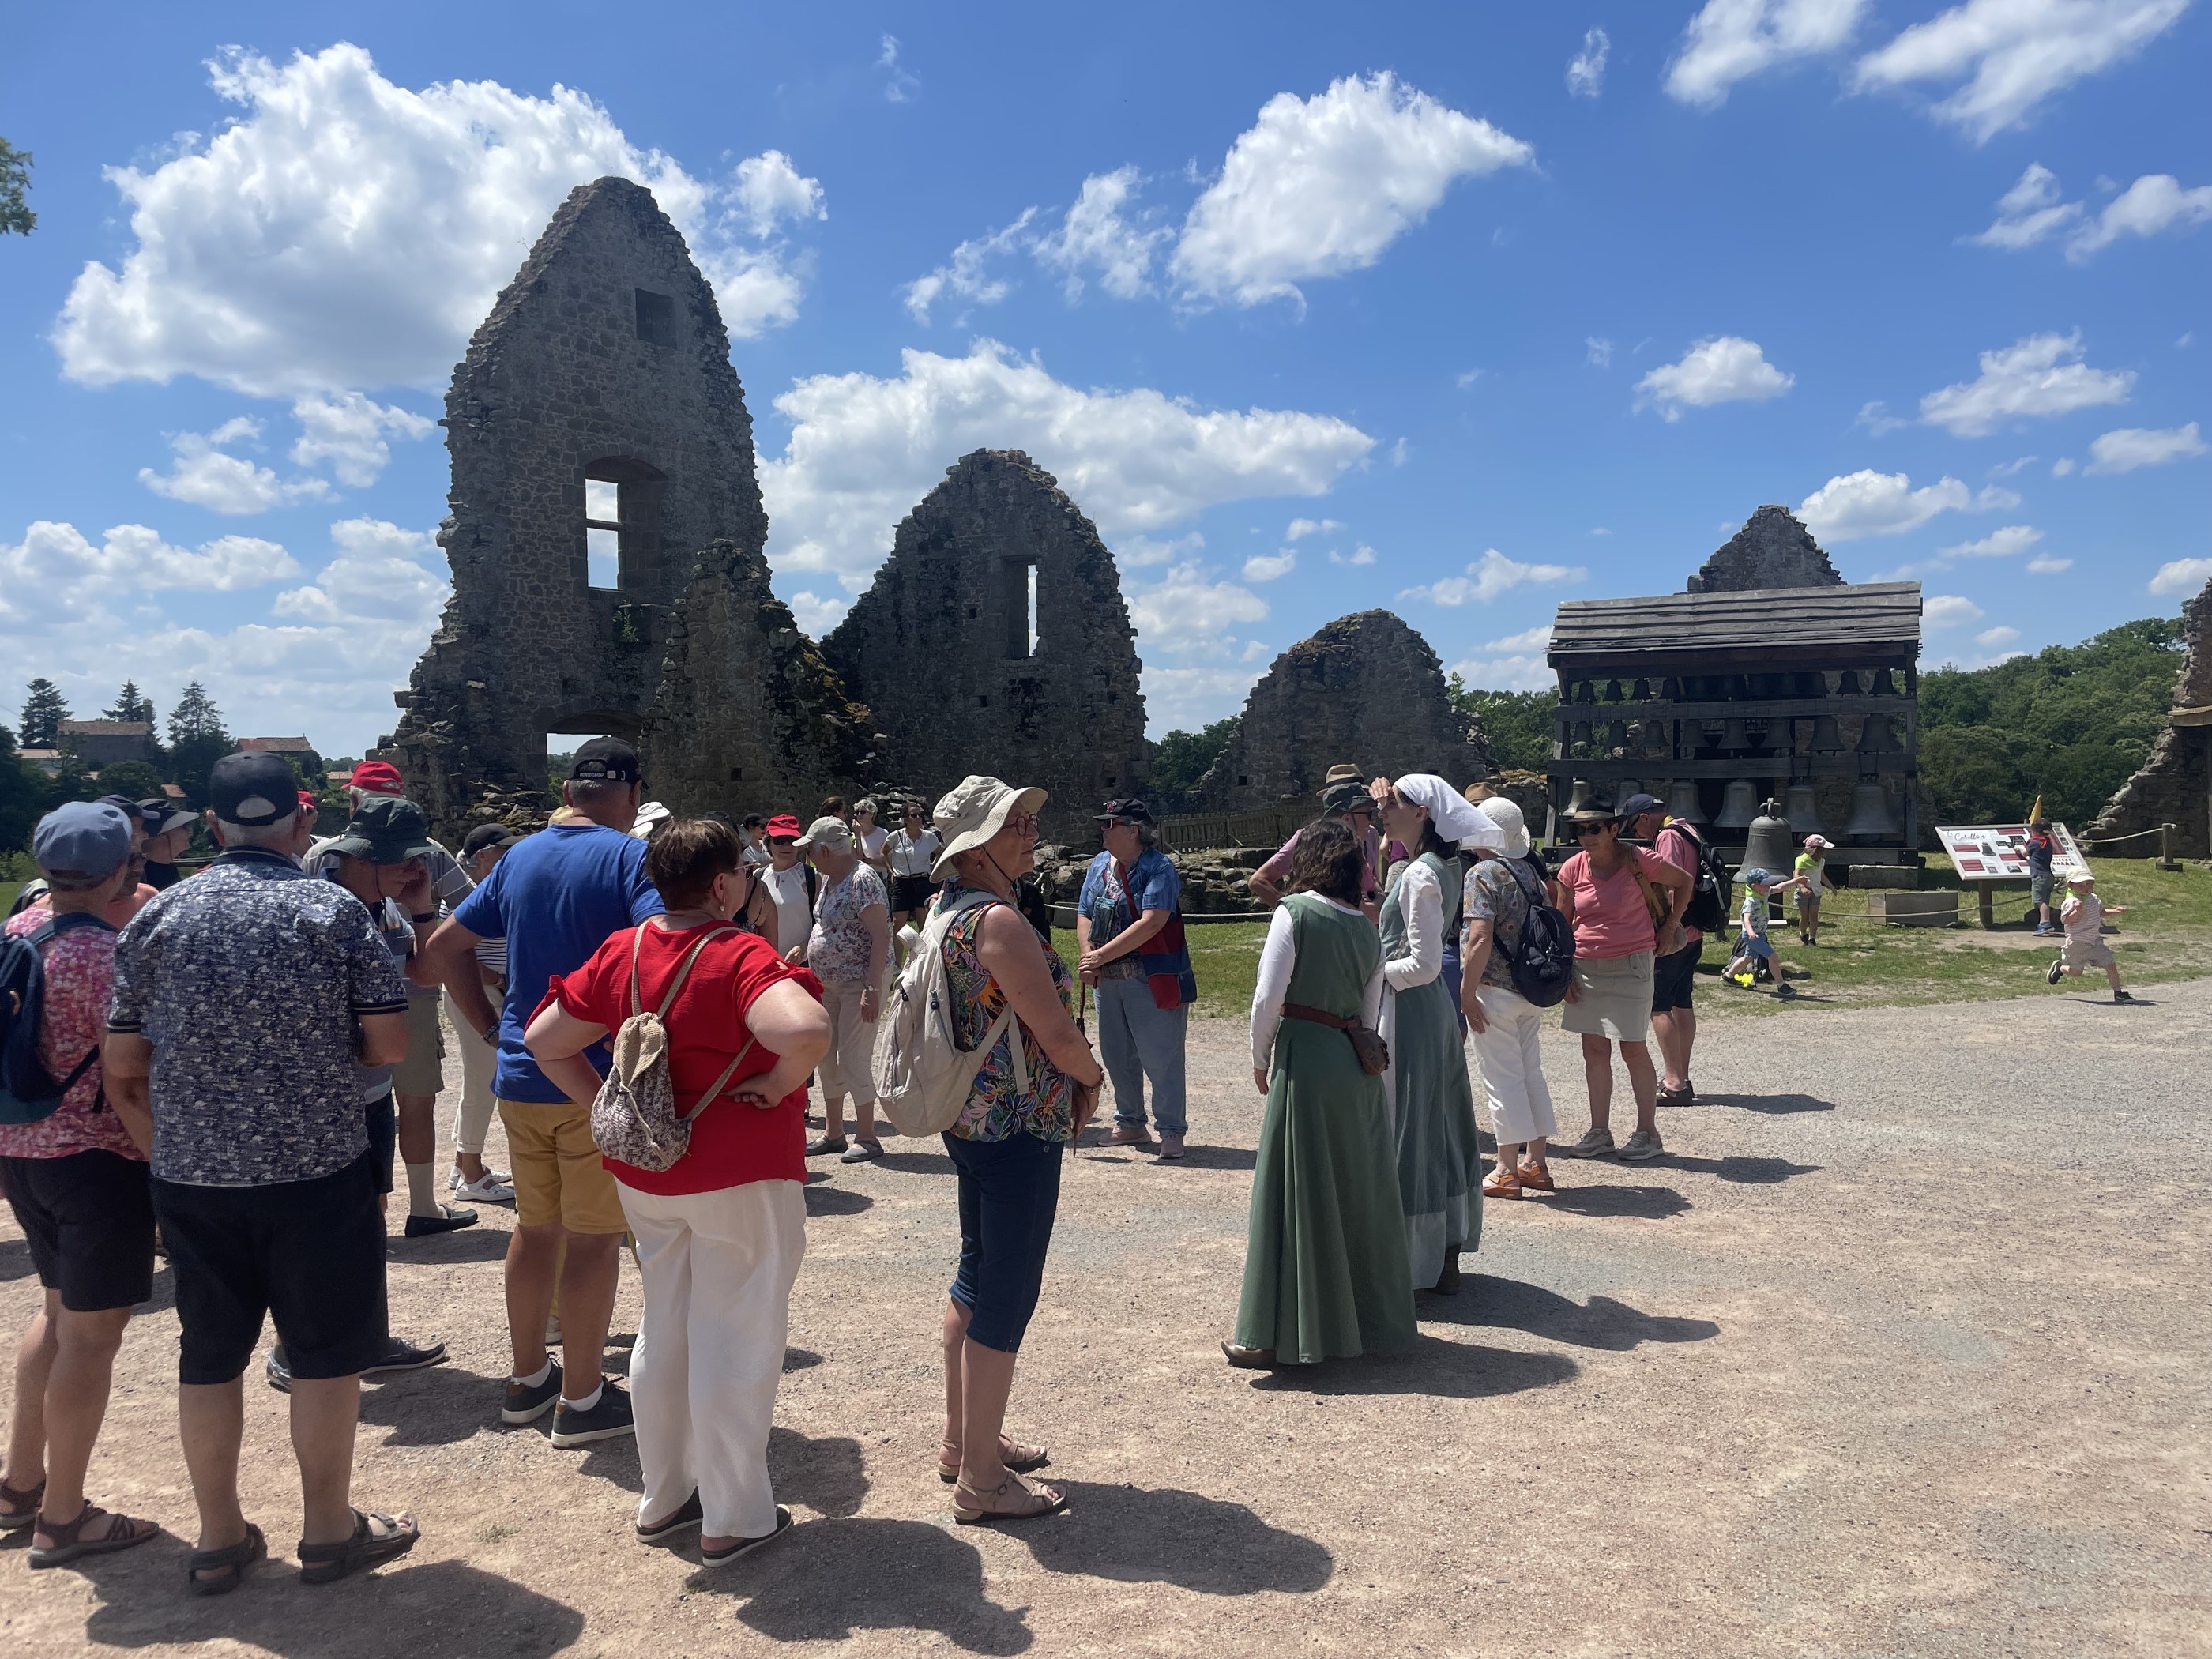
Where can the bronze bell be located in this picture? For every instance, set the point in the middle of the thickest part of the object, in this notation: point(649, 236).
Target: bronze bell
point(1580, 798)
point(1735, 739)
point(1849, 687)
point(1616, 737)
point(1812, 685)
point(1883, 686)
point(1582, 734)
point(1623, 788)
point(1738, 806)
point(1767, 845)
point(1656, 740)
point(1804, 810)
point(1670, 690)
point(1875, 739)
point(1613, 690)
point(1643, 689)
point(1827, 736)
point(1871, 819)
point(1682, 802)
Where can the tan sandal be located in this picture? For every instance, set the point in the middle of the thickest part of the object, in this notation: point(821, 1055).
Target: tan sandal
point(1036, 1501)
point(1536, 1175)
point(1501, 1184)
point(1012, 1454)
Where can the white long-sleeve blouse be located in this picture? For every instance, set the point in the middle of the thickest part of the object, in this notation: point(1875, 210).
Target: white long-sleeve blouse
point(1421, 902)
point(1278, 956)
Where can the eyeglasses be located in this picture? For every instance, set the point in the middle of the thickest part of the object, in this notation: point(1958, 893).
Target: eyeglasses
point(1582, 829)
point(1022, 824)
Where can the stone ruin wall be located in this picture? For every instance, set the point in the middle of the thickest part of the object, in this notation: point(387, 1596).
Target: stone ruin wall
point(1773, 549)
point(938, 649)
point(2172, 785)
point(606, 354)
point(1366, 689)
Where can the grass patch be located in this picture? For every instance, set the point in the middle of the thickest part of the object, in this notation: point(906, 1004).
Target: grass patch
point(2165, 935)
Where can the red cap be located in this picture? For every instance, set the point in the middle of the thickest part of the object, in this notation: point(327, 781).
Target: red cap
point(783, 824)
point(377, 777)
point(308, 803)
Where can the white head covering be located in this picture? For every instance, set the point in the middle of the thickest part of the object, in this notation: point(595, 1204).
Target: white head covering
point(1502, 811)
point(1455, 816)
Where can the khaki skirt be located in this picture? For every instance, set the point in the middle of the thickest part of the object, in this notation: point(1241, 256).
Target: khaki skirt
point(1612, 998)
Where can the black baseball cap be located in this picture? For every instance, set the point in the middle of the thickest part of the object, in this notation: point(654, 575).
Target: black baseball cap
point(385, 830)
point(606, 760)
point(252, 787)
point(485, 836)
point(162, 816)
point(1638, 805)
point(1125, 811)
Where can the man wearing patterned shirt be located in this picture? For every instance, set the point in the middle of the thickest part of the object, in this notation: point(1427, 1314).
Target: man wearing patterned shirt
point(243, 1000)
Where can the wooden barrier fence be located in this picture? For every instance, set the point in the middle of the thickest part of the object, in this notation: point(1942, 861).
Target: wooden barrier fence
point(1263, 826)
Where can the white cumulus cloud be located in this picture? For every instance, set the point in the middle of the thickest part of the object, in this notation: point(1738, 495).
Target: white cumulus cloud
point(2131, 447)
point(1948, 610)
point(1491, 575)
point(2030, 211)
point(1301, 528)
point(1320, 187)
point(1586, 69)
point(206, 474)
point(58, 573)
point(1868, 503)
point(1270, 566)
point(2012, 538)
point(349, 431)
point(1517, 665)
point(378, 576)
point(1360, 554)
point(2012, 56)
point(1731, 40)
point(863, 449)
point(2174, 576)
point(347, 232)
point(1101, 234)
point(2039, 375)
point(967, 274)
point(1725, 370)
point(2154, 203)
point(2044, 565)
point(1991, 639)
point(1187, 612)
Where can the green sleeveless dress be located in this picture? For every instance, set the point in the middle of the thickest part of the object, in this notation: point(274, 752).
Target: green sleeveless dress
point(1433, 1100)
point(1325, 1273)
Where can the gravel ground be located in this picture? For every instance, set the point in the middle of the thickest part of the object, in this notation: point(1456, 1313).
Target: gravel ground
point(1902, 1349)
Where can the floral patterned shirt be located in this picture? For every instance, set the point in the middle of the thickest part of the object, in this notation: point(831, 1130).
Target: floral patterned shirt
point(839, 948)
point(80, 970)
point(995, 1111)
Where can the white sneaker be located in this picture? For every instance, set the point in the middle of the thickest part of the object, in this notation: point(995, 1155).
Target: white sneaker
point(490, 1188)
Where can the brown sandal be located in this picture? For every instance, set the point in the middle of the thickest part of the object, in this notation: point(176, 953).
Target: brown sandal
point(19, 1506)
point(1536, 1175)
point(1012, 1454)
point(1041, 1501)
point(1501, 1184)
point(121, 1532)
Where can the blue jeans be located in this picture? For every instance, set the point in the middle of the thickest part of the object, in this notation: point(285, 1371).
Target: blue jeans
point(1138, 1039)
point(1009, 1194)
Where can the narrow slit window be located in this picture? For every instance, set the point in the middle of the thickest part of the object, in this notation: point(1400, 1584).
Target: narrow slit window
point(1017, 606)
point(656, 318)
point(1032, 612)
point(603, 532)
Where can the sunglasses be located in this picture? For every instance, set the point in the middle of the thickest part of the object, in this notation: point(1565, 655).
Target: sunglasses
point(1582, 829)
point(783, 840)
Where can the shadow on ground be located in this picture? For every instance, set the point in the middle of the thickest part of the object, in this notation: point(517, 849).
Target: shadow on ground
point(827, 1475)
point(1432, 1366)
point(1773, 1105)
point(916, 1163)
point(1616, 1202)
point(437, 1406)
point(1221, 1157)
point(476, 1243)
point(830, 1579)
point(837, 1200)
point(1509, 1305)
point(1745, 1172)
point(1136, 1535)
point(143, 1606)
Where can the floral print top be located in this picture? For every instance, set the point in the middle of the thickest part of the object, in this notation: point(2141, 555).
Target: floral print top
point(80, 973)
point(995, 1111)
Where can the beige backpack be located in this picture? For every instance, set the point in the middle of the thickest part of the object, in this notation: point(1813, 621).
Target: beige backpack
point(634, 1118)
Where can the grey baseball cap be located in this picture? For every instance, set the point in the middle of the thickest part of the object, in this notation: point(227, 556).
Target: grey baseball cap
point(81, 840)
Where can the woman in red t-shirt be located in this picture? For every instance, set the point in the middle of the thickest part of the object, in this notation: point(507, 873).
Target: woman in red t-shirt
point(729, 1217)
point(1625, 905)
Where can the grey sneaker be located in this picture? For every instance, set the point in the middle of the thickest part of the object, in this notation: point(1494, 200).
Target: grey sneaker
point(1644, 1143)
point(1595, 1144)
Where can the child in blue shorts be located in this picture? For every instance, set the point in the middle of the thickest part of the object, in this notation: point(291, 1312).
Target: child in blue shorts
point(1752, 948)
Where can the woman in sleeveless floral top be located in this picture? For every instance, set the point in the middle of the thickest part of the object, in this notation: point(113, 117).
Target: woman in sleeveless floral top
point(1007, 1142)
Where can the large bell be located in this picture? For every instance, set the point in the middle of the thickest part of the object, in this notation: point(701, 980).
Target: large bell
point(1875, 739)
point(1613, 690)
point(1883, 686)
point(1624, 788)
point(1616, 737)
point(1871, 819)
point(1643, 693)
point(1803, 811)
point(1734, 740)
point(1682, 802)
point(1581, 737)
point(1767, 845)
point(1827, 736)
point(1738, 806)
point(1580, 798)
point(1657, 738)
point(1670, 690)
point(1810, 685)
point(1849, 687)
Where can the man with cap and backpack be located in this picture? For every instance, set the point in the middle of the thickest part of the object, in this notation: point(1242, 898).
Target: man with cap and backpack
point(555, 899)
point(75, 1177)
point(1675, 977)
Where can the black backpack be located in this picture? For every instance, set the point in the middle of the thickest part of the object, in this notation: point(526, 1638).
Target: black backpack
point(1544, 961)
point(1708, 908)
point(27, 1091)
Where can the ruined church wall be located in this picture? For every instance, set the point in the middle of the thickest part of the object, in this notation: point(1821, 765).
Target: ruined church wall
point(2173, 783)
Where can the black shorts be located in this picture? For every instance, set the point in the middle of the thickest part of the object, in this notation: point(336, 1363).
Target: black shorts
point(1675, 978)
point(308, 1253)
point(383, 1139)
point(911, 893)
point(90, 1225)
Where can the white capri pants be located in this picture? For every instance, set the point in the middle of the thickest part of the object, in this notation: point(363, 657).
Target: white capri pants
point(479, 1060)
point(717, 1268)
point(849, 1066)
point(1513, 1068)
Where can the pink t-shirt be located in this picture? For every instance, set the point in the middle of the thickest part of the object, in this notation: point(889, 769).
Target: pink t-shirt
point(1611, 919)
point(1679, 851)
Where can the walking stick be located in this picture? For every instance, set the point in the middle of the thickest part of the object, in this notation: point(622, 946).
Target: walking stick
point(1082, 1008)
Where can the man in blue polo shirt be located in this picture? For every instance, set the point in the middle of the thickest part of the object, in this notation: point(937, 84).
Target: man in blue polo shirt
point(1129, 926)
point(555, 898)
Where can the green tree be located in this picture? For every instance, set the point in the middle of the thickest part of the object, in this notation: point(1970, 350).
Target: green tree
point(131, 704)
point(44, 711)
point(1180, 759)
point(23, 793)
point(133, 778)
point(197, 741)
point(194, 716)
point(1518, 724)
point(16, 215)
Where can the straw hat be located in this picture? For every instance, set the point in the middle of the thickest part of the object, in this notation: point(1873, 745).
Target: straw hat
point(972, 812)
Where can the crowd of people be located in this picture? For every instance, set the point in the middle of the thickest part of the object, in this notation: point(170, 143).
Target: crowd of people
point(232, 1068)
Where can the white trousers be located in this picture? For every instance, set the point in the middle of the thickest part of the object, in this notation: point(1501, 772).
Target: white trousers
point(472, 1113)
point(849, 1066)
point(1513, 1068)
point(717, 1268)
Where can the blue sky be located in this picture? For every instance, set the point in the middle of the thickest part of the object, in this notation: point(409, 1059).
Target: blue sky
point(1460, 311)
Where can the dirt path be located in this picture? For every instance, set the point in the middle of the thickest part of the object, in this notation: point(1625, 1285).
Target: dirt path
point(1901, 1350)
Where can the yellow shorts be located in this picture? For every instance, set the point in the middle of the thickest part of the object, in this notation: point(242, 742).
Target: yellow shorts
point(558, 1177)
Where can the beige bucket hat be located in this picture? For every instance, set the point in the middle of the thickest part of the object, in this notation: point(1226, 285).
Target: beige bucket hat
point(972, 812)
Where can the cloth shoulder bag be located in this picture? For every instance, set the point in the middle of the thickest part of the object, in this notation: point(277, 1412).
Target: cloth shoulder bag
point(635, 1120)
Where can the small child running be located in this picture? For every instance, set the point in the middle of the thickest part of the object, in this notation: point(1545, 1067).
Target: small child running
point(2083, 916)
point(1812, 871)
point(1753, 947)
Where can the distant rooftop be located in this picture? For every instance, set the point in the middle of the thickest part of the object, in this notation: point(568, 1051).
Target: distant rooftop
point(105, 728)
point(278, 745)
